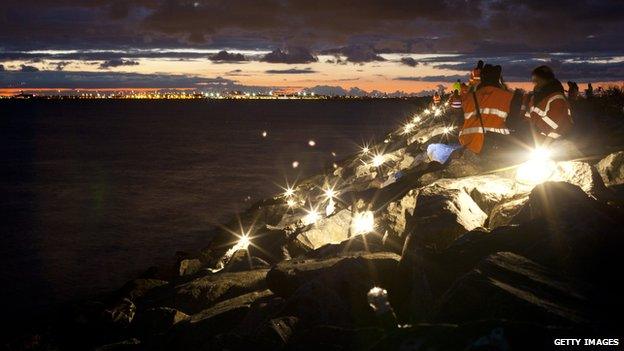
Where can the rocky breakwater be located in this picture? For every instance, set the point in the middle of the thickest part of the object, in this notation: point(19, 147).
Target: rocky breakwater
point(388, 250)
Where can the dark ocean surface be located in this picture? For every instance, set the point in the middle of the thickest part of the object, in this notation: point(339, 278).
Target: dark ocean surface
point(94, 192)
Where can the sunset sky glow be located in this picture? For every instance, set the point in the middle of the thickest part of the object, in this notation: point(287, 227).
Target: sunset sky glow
point(324, 46)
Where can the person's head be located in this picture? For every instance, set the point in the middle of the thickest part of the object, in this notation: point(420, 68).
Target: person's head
point(542, 75)
point(459, 81)
point(456, 93)
point(480, 64)
point(491, 75)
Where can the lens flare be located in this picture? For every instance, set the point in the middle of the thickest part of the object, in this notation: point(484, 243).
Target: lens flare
point(407, 128)
point(289, 192)
point(538, 169)
point(448, 129)
point(311, 217)
point(378, 160)
point(363, 223)
point(243, 242)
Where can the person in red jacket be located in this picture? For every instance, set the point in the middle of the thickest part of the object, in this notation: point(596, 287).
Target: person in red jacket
point(547, 108)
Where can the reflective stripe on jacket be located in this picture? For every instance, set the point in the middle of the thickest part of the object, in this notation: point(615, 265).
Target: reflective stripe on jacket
point(456, 102)
point(551, 116)
point(494, 105)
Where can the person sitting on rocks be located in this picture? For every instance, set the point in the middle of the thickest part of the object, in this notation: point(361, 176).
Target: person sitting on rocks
point(485, 111)
point(548, 111)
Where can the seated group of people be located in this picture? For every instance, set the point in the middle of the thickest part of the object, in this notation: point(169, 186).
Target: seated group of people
point(487, 104)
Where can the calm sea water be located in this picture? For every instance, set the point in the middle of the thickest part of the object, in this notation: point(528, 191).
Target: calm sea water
point(94, 192)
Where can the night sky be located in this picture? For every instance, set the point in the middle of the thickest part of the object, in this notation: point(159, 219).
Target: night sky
point(328, 46)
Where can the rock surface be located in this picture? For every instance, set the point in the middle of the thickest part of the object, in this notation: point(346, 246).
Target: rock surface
point(546, 266)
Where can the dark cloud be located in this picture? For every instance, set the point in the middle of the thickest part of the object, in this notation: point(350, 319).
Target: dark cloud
point(356, 53)
point(61, 65)
point(486, 26)
point(224, 56)
point(28, 69)
point(439, 78)
point(117, 63)
point(291, 55)
point(566, 66)
point(291, 71)
point(409, 61)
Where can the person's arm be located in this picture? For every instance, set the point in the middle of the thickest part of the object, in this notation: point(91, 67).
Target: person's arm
point(551, 119)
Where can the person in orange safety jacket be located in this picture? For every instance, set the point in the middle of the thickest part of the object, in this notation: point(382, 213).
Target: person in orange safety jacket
point(475, 74)
point(547, 108)
point(494, 104)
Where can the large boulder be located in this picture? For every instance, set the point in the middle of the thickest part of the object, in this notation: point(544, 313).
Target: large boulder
point(121, 313)
point(202, 292)
point(486, 190)
point(509, 286)
point(442, 215)
point(336, 294)
point(159, 320)
point(611, 168)
point(286, 277)
point(198, 331)
point(504, 212)
point(327, 230)
point(189, 266)
point(393, 218)
point(581, 174)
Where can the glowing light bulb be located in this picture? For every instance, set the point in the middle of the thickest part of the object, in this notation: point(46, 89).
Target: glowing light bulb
point(540, 154)
point(289, 192)
point(295, 164)
point(329, 193)
point(408, 128)
point(311, 217)
point(378, 160)
point(437, 113)
point(538, 169)
point(243, 242)
point(446, 103)
point(264, 133)
point(426, 111)
point(416, 119)
point(311, 142)
point(448, 129)
point(365, 149)
point(291, 203)
point(363, 223)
